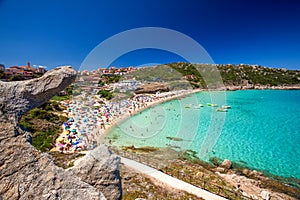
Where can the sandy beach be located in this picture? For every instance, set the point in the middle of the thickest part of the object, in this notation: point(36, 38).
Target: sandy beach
point(91, 117)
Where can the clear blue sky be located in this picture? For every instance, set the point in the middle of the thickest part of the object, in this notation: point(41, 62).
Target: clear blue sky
point(59, 32)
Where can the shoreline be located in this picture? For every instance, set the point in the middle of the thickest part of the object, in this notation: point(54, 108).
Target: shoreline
point(259, 87)
point(124, 117)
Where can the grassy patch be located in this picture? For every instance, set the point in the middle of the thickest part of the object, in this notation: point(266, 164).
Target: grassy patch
point(65, 160)
point(105, 94)
point(44, 124)
point(61, 98)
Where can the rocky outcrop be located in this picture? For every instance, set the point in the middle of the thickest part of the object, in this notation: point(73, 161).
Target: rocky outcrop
point(265, 195)
point(26, 173)
point(19, 97)
point(226, 164)
point(152, 88)
point(100, 169)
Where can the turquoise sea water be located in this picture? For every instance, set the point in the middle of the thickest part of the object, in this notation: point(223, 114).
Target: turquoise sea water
point(260, 131)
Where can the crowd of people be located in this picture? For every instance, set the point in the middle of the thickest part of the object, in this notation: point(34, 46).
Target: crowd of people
point(90, 115)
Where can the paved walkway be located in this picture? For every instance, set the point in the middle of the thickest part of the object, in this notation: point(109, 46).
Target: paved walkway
point(169, 180)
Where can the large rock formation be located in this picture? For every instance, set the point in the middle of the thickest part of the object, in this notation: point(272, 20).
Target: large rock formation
point(26, 173)
point(152, 88)
point(226, 164)
point(19, 97)
point(106, 178)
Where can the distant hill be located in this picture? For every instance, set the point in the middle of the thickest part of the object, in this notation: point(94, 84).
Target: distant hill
point(204, 75)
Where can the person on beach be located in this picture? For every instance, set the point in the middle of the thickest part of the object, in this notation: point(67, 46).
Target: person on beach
point(102, 125)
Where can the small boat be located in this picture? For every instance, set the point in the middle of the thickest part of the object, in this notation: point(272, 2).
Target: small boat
point(200, 105)
point(226, 106)
point(212, 104)
point(222, 110)
point(188, 106)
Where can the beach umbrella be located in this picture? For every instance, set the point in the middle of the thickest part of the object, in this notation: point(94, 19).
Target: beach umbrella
point(60, 139)
point(60, 145)
point(67, 132)
point(71, 120)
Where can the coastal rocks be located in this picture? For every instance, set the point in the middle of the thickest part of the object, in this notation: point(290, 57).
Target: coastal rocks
point(19, 97)
point(265, 195)
point(152, 88)
point(26, 173)
point(100, 169)
point(220, 169)
point(246, 172)
point(226, 164)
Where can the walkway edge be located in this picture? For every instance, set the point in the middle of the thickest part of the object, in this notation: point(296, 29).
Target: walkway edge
point(169, 180)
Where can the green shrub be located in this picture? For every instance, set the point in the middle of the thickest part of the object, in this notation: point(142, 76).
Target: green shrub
point(215, 161)
point(61, 98)
point(105, 94)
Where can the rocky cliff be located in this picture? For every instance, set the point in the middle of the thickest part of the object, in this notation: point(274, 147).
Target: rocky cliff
point(152, 88)
point(26, 173)
point(19, 97)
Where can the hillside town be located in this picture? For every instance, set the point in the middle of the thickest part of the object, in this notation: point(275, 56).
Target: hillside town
point(18, 73)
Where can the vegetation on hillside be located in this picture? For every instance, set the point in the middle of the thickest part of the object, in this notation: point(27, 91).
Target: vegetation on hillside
point(105, 94)
point(258, 75)
point(16, 77)
point(68, 92)
point(108, 79)
point(156, 73)
point(202, 75)
point(44, 123)
point(1, 74)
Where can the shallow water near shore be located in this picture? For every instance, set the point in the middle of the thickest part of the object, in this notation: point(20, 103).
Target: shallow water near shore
point(260, 131)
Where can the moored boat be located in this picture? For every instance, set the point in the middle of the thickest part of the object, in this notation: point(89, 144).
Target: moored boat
point(212, 104)
point(222, 109)
point(226, 106)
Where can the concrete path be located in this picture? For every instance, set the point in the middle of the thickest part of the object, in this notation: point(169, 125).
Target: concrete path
point(169, 180)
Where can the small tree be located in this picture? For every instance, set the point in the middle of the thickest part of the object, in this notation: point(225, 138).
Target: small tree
point(105, 94)
point(1, 74)
point(16, 78)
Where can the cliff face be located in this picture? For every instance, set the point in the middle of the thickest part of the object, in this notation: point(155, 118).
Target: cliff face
point(152, 88)
point(26, 173)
